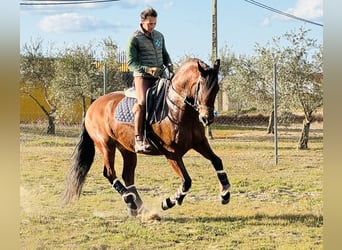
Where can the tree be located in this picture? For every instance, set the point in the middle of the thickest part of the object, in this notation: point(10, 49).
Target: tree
point(267, 57)
point(115, 69)
point(37, 70)
point(299, 78)
point(76, 79)
point(302, 77)
point(80, 75)
point(250, 81)
point(228, 63)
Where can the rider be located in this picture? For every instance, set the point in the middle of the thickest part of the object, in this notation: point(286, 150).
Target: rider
point(146, 56)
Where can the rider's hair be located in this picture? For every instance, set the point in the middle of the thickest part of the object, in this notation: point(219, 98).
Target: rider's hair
point(148, 12)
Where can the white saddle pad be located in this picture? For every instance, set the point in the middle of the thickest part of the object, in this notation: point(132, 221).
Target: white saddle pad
point(131, 92)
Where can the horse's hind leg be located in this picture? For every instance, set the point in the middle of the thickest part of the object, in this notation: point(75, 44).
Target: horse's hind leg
point(178, 165)
point(108, 153)
point(128, 174)
point(205, 150)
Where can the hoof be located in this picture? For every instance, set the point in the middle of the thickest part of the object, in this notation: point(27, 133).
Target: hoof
point(180, 199)
point(167, 203)
point(132, 212)
point(225, 198)
point(129, 199)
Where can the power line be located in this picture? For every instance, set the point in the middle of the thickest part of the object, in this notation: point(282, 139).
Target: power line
point(281, 12)
point(58, 2)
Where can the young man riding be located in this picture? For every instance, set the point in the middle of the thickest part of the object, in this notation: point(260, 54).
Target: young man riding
point(146, 56)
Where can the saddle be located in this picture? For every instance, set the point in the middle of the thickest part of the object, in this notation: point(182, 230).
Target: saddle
point(156, 108)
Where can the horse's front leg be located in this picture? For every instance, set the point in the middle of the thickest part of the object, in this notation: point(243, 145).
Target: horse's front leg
point(178, 197)
point(225, 186)
point(205, 150)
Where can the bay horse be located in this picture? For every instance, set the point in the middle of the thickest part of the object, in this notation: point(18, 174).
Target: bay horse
point(190, 98)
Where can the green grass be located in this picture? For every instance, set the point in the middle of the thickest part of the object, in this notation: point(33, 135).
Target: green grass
point(272, 207)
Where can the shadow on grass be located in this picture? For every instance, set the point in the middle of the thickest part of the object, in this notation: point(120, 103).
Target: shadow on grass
point(309, 220)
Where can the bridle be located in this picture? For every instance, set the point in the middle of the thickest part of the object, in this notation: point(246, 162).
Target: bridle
point(195, 105)
point(177, 101)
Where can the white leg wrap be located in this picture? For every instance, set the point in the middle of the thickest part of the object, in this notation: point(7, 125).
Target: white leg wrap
point(221, 171)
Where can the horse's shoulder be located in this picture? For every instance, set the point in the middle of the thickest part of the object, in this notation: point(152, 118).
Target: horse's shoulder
point(114, 95)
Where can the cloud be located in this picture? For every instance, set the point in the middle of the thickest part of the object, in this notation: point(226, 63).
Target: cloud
point(266, 22)
point(308, 9)
point(168, 5)
point(149, 2)
point(54, 9)
point(129, 4)
point(72, 22)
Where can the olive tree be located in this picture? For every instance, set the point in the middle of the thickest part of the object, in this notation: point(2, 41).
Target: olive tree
point(299, 77)
point(116, 69)
point(302, 80)
point(37, 70)
point(76, 79)
point(81, 72)
point(250, 81)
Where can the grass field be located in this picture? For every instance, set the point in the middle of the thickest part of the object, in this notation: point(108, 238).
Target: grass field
point(271, 207)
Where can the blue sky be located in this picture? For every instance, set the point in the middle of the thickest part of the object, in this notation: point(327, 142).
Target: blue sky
point(186, 24)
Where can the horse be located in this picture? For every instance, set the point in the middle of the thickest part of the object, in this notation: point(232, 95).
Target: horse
point(190, 97)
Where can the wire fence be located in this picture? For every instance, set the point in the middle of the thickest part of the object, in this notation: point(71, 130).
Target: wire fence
point(286, 119)
point(251, 121)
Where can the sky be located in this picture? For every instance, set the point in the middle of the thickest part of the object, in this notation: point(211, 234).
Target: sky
point(185, 24)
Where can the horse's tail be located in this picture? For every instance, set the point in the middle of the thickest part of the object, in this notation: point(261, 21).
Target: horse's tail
point(82, 158)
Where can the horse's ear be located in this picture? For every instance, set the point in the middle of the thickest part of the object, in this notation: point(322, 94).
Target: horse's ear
point(217, 64)
point(201, 69)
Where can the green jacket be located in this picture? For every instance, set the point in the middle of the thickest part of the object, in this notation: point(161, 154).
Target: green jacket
point(144, 51)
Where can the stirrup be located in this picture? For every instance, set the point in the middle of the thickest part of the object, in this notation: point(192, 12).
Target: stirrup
point(142, 145)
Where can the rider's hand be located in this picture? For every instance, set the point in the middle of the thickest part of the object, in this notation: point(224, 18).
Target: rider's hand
point(154, 71)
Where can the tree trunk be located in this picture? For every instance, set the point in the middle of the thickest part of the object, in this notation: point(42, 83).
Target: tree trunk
point(51, 130)
point(84, 107)
point(270, 128)
point(304, 139)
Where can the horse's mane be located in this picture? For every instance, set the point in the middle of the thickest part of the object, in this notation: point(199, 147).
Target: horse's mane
point(190, 66)
point(191, 62)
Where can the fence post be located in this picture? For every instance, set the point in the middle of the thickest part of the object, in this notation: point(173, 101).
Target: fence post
point(104, 77)
point(275, 115)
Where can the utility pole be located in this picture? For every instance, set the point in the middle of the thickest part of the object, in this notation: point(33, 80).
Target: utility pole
point(213, 44)
point(214, 54)
point(214, 31)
